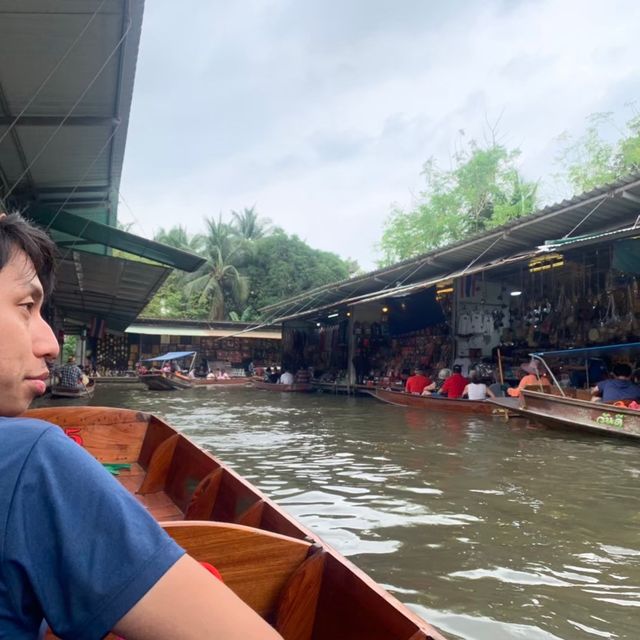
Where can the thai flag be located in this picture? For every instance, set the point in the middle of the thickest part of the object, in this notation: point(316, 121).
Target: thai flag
point(98, 328)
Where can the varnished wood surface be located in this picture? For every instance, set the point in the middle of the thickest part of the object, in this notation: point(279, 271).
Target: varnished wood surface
point(349, 605)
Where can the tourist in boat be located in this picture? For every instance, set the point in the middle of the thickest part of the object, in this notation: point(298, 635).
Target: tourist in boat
point(286, 377)
point(70, 374)
point(455, 384)
point(530, 376)
point(477, 389)
point(94, 559)
point(620, 387)
point(222, 375)
point(417, 382)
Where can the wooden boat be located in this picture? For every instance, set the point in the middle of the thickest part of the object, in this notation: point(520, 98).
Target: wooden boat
point(554, 410)
point(230, 382)
point(84, 391)
point(296, 387)
point(433, 403)
point(300, 584)
point(159, 381)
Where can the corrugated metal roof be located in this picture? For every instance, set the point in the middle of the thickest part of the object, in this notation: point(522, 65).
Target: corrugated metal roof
point(89, 286)
point(100, 41)
point(604, 209)
point(218, 328)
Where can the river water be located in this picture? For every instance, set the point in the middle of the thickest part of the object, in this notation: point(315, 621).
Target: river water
point(490, 530)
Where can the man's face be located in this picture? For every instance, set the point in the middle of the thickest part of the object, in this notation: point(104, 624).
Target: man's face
point(26, 340)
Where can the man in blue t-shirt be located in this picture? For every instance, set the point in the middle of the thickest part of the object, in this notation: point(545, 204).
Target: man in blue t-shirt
point(76, 549)
point(617, 388)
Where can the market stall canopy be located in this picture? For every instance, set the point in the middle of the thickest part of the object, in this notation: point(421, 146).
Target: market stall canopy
point(589, 351)
point(67, 79)
point(112, 289)
point(172, 355)
point(203, 329)
point(601, 210)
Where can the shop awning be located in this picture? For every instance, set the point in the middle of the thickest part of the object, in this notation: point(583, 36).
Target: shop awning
point(589, 351)
point(203, 330)
point(172, 355)
point(80, 232)
point(115, 290)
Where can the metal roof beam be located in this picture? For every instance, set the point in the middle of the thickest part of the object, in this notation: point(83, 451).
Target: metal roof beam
point(629, 196)
point(54, 121)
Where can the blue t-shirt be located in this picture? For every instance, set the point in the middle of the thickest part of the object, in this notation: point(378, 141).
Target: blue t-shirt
point(76, 548)
point(615, 389)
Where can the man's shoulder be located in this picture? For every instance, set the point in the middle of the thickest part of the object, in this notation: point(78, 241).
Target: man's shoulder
point(24, 430)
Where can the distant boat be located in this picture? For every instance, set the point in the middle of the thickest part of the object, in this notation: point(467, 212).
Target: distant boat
point(296, 387)
point(168, 381)
point(84, 391)
point(282, 570)
point(433, 402)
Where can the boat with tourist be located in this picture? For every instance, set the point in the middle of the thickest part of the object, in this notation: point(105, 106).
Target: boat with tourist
point(85, 390)
point(169, 376)
point(432, 402)
point(558, 406)
point(284, 571)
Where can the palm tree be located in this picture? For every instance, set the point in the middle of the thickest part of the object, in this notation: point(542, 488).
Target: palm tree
point(219, 282)
point(179, 238)
point(248, 224)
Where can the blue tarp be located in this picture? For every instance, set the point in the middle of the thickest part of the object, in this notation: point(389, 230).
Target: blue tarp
point(588, 351)
point(172, 355)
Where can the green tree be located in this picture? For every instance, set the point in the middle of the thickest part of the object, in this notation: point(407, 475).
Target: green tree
point(219, 283)
point(249, 225)
point(282, 266)
point(483, 189)
point(593, 160)
point(179, 238)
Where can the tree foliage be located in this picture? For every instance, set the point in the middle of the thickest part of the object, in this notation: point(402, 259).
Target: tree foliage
point(483, 189)
point(249, 264)
point(592, 160)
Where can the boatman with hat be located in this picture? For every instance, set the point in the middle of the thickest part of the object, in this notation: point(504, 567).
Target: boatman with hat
point(76, 549)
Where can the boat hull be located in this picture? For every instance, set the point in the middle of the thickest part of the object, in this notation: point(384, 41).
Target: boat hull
point(582, 415)
point(432, 403)
point(296, 387)
point(164, 382)
point(181, 484)
point(231, 382)
point(85, 391)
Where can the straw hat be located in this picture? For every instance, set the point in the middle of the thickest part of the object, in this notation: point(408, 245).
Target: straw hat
point(530, 367)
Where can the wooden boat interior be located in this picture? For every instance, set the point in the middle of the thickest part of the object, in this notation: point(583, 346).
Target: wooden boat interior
point(303, 587)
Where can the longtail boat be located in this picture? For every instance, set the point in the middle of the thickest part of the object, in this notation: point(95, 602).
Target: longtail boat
point(83, 391)
point(297, 582)
point(168, 380)
point(553, 410)
point(159, 381)
point(556, 408)
point(296, 387)
point(217, 382)
point(433, 403)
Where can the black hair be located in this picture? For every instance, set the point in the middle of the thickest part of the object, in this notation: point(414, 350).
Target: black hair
point(621, 369)
point(457, 368)
point(17, 234)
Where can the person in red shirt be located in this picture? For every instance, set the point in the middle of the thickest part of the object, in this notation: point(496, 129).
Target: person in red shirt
point(417, 382)
point(454, 385)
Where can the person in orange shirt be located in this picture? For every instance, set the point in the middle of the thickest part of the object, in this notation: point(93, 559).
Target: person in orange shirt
point(531, 377)
point(417, 382)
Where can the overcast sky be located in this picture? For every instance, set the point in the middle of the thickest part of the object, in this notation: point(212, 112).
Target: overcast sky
point(322, 113)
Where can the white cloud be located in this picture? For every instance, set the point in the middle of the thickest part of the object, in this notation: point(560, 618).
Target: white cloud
point(322, 114)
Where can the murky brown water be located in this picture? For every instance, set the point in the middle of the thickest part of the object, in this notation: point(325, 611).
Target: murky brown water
point(489, 530)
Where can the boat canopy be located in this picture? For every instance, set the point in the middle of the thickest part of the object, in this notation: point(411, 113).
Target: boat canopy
point(588, 351)
point(172, 355)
